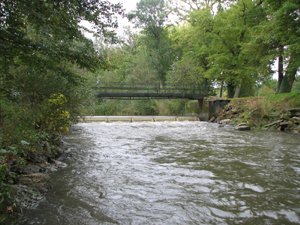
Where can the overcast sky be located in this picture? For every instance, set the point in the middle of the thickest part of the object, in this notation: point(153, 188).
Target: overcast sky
point(128, 5)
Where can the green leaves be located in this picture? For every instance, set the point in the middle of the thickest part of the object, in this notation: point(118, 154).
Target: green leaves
point(34, 29)
point(24, 142)
point(3, 151)
point(151, 15)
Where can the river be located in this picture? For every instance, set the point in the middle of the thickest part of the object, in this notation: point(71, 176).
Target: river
point(179, 172)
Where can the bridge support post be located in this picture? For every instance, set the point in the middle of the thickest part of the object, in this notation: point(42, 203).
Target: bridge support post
point(200, 102)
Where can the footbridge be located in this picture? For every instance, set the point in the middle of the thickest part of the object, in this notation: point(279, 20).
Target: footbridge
point(136, 91)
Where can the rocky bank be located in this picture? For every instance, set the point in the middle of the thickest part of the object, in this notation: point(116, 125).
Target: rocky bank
point(33, 181)
point(259, 113)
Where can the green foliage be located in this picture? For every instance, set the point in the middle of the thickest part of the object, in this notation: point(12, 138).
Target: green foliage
point(296, 86)
point(265, 91)
point(30, 28)
point(145, 107)
point(54, 118)
point(151, 15)
point(4, 191)
point(280, 33)
point(186, 71)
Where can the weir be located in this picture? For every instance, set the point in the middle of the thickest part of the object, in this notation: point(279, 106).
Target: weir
point(108, 119)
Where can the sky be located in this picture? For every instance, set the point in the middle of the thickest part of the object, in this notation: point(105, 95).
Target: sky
point(128, 5)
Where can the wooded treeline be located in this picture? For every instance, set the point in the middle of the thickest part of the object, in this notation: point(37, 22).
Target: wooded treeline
point(235, 46)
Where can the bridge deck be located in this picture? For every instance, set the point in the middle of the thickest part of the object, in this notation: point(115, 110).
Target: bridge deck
point(150, 96)
point(134, 91)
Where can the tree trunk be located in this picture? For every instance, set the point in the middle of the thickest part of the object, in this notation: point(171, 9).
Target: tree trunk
point(284, 86)
point(238, 90)
point(287, 82)
point(289, 77)
point(280, 72)
point(230, 90)
point(221, 89)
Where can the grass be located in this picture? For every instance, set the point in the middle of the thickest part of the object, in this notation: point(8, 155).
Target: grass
point(291, 99)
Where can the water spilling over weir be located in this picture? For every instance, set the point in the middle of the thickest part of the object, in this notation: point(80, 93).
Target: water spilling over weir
point(173, 172)
point(90, 119)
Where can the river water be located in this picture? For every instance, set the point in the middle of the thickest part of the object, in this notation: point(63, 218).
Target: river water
point(174, 173)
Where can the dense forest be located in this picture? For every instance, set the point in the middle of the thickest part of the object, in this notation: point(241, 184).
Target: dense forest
point(49, 67)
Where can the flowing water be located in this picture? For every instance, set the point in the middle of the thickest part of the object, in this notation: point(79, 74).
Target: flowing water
point(174, 173)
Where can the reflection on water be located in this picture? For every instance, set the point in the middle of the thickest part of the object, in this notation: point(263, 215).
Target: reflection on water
point(174, 173)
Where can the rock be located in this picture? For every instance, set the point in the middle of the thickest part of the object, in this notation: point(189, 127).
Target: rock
point(37, 181)
point(58, 164)
point(225, 121)
point(234, 111)
point(23, 197)
point(46, 146)
point(273, 123)
point(285, 117)
point(242, 128)
point(295, 112)
point(212, 119)
point(59, 150)
point(30, 169)
point(284, 126)
point(54, 166)
point(296, 120)
point(274, 115)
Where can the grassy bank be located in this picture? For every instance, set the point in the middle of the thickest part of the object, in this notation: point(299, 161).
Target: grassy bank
point(257, 112)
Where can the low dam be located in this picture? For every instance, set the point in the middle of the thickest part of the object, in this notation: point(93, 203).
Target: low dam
point(90, 119)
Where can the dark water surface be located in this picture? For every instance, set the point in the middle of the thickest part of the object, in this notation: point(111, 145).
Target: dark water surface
point(174, 173)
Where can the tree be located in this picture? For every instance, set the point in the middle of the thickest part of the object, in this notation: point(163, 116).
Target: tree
point(192, 42)
point(285, 17)
point(43, 51)
point(151, 16)
point(218, 43)
point(183, 9)
point(31, 30)
point(281, 32)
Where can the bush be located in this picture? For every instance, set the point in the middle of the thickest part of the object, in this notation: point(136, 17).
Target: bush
point(265, 91)
point(171, 107)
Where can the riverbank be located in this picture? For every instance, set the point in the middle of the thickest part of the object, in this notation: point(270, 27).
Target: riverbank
point(26, 185)
point(277, 112)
